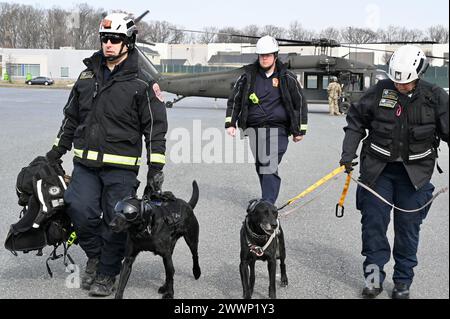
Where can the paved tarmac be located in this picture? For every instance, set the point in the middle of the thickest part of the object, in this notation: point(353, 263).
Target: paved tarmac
point(323, 252)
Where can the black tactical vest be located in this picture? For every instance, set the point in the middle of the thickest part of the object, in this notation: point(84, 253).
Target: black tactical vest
point(403, 128)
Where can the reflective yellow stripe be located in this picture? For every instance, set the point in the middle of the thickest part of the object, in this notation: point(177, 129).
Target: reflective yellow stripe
point(78, 153)
point(303, 127)
point(228, 119)
point(93, 156)
point(56, 142)
point(123, 160)
point(109, 158)
point(158, 158)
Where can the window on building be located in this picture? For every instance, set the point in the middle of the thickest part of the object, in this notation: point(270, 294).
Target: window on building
point(311, 82)
point(24, 69)
point(64, 72)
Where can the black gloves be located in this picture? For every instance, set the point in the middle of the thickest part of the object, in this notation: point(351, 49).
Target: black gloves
point(348, 166)
point(155, 179)
point(54, 156)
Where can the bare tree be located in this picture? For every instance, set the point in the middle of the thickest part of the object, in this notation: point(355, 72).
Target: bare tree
point(438, 33)
point(331, 33)
point(30, 26)
point(55, 31)
point(251, 30)
point(274, 31)
point(387, 35)
point(358, 35)
point(222, 38)
point(85, 30)
point(9, 15)
point(208, 36)
point(160, 31)
point(297, 32)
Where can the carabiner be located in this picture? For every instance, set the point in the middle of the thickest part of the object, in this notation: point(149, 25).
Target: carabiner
point(341, 213)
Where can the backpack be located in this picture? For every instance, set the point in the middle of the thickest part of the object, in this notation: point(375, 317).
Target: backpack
point(40, 188)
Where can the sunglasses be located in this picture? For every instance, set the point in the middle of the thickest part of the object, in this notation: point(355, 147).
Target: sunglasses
point(114, 39)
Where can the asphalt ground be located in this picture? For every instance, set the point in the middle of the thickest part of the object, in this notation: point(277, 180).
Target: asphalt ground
point(323, 252)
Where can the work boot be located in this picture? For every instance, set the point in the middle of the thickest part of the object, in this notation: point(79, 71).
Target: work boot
point(371, 292)
point(89, 273)
point(103, 286)
point(401, 291)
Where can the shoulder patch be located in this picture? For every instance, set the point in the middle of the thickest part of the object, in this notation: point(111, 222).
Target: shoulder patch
point(387, 103)
point(390, 94)
point(157, 91)
point(86, 75)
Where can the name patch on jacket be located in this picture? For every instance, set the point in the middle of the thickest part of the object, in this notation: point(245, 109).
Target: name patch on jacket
point(86, 75)
point(389, 99)
point(275, 82)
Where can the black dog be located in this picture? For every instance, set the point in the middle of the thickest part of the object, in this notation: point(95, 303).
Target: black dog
point(261, 239)
point(157, 228)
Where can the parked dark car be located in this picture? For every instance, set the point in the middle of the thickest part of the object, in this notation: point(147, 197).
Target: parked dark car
point(40, 80)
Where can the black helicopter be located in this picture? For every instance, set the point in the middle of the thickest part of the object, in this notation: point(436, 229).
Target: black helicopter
point(313, 72)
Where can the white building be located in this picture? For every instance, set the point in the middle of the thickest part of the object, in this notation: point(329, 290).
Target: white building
point(66, 63)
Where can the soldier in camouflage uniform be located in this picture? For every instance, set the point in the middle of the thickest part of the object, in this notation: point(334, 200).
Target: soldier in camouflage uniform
point(334, 93)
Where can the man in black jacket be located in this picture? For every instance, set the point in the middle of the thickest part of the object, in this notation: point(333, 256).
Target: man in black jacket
point(406, 118)
point(268, 104)
point(111, 106)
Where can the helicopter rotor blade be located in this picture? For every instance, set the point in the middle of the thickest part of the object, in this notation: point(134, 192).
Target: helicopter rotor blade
point(146, 42)
point(396, 42)
point(244, 36)
point(322, 42)
point(216, 33)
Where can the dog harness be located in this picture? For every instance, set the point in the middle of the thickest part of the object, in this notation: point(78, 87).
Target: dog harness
point(255, 249)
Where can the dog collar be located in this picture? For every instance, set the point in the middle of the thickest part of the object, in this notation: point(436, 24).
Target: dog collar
point(258, 250)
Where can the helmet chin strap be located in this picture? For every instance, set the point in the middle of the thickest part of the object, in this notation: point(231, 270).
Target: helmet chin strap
point(121, 54)
point(116, 57)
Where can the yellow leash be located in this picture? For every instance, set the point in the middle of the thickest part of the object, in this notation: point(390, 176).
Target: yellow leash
point(317, 184)
point(340, 214)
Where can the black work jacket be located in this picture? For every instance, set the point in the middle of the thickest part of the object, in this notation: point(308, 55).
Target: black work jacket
point(398, 128)
point(106, 119)
point(291, 95)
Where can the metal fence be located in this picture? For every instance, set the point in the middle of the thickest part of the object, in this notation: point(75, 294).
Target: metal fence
point(174, 68)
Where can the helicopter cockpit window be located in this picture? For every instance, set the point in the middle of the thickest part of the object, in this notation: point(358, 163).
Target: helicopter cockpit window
point(311, 82)
point(367, 82)
point(356, 83)
point(325, 82)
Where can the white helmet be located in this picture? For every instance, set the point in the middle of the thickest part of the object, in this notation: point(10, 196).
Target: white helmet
point(266, 45)
point(118, 23)
point(407, 64)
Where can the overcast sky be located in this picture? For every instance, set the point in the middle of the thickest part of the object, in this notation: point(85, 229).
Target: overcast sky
point(315, 14)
